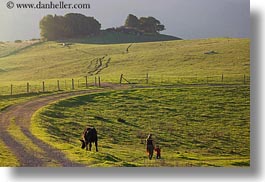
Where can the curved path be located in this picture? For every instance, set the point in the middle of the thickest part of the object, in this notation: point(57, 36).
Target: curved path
point(21, 115)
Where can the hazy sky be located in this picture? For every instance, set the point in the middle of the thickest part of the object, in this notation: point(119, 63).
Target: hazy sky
point(187, 19)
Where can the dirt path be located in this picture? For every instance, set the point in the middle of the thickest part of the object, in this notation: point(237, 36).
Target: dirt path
point(21, 114)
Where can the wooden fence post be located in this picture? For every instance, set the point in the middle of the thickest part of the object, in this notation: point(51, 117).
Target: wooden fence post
point(43, 86)
point(27, 87)
point(58, 85)
point(11, 90)
point(99, 82)
point(222, 77)
point(244, 79)
point(147, 78)
point(121, 78)
point(73, 84)
point(86, 83)
point(95, 81)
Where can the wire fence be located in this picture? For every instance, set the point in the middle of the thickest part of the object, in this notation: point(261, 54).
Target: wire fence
point(49, 85)
point(239, 79)
point(96, 81)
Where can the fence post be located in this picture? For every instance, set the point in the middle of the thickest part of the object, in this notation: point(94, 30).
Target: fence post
point(73, 84)
point(121, 78)
point(222, 77)
point(95, 81)
point(147, 78)
point(43, 86)
point(11, 90)
point(244, 79)
point(99, 82)
point(27, 87)
point(86, 82)
point(58, 85)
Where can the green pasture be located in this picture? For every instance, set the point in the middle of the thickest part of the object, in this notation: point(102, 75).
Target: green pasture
point(9, 48)
point(195, 126)
point(165, 61)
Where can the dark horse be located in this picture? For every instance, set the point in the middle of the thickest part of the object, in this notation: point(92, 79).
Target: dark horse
point(89, 136)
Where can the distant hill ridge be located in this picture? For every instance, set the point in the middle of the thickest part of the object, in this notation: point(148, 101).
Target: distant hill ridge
point(113, 37)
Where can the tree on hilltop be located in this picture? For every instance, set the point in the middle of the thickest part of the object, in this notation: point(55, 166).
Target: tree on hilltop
point(132, 21)
point(144, 24)
point(151, 25)
point(71, 25)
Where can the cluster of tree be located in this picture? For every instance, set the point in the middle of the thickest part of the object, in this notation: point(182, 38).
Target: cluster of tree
point(71, 25)
point(144, 24)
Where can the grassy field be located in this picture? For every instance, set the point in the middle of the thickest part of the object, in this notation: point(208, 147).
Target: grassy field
point(195, 126)
point(9, 48)
point(169, 60)
point(8, 100)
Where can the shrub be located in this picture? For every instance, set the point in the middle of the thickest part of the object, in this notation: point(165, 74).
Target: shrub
point(18, 41)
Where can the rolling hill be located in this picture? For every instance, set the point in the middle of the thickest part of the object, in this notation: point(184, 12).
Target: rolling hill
point(8, 48)
point(196, 125)
point(53, 60)
point(107, 37)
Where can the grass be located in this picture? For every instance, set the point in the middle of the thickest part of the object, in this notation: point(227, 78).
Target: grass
point(9, 48)
point(118, 38)
point(9, 100)
point(15, 132)
point(195, 126)
point(166, 60)
point(6, 157)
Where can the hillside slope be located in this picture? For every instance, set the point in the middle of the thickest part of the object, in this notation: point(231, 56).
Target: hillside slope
point(52, 60)
point(120, 38)
point(8, 48)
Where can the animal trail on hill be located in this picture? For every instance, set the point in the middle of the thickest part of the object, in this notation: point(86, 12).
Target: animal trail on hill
point(97, 65)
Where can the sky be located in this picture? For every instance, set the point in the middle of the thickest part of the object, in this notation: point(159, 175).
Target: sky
point(187, 19)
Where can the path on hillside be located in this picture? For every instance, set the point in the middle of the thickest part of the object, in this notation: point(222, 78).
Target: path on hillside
point(21, 115)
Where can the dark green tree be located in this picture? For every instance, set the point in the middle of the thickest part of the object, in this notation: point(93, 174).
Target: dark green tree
point(48, 28)
point(132, 21)
point(69, 26)
point(79, 25)
point(151, 25)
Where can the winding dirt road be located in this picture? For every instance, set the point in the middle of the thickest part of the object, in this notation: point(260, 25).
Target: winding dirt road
point(21, 115)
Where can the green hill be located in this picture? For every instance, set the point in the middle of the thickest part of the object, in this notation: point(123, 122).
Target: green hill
point(163, 60)
point(195, 125)
point(8, 48)
point(118, 38)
